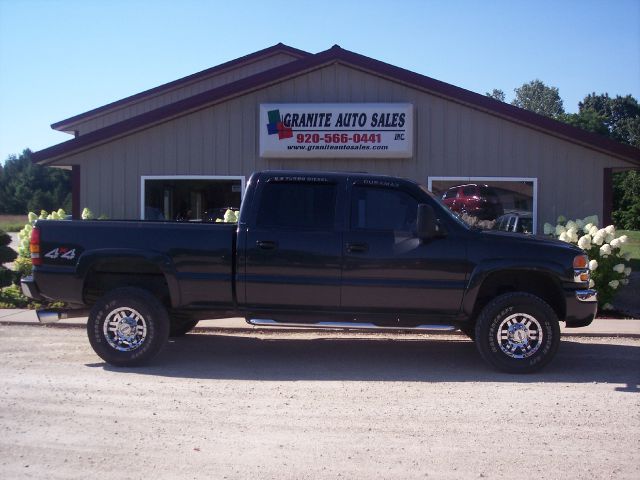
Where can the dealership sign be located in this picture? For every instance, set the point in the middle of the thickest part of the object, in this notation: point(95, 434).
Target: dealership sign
point(362, 130)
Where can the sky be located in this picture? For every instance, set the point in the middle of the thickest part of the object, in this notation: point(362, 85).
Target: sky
point(59, 58)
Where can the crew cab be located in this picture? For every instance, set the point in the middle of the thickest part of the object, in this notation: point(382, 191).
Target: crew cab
point(322, 250)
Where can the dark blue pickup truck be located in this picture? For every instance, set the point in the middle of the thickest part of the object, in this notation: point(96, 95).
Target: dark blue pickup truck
point(316, 249)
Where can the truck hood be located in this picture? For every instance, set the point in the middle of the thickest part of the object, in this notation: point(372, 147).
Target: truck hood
point(531, 240)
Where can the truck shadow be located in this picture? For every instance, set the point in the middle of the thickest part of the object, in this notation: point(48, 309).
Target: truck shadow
point(210, 356)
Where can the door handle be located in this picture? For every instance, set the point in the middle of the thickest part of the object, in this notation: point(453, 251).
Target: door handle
point(266, 244)
point(357, 247)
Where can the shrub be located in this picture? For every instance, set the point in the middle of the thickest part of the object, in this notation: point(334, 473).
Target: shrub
point(609, 268)
point(6, 255)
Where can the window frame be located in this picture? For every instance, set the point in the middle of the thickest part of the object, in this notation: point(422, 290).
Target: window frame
point(533, 180)
point(144, 178)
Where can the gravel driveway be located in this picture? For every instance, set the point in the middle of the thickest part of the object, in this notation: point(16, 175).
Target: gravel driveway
point(310, 405)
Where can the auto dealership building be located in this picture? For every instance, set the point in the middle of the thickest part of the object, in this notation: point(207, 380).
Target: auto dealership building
point(184, 150)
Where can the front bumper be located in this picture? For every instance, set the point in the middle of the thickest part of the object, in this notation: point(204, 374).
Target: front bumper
point(582, 306)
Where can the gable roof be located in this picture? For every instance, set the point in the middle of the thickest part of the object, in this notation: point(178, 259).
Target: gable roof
point(353, 60)
point(218, 69)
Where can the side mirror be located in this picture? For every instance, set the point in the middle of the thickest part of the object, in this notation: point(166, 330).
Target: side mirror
point(426, 222)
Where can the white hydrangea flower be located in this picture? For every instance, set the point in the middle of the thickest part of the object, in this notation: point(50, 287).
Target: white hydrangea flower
point(624, 281)
point(593, 230)
point(598, 239)
point(563, 237)
point(560, 230)
point(627, 271)
point(626, 256)
point(623, 239)
point(548, 229)
point(593, 219)
point(614, 284)
point(610, 229)
point(605, 250)
point(571, 224)
point(619, 268)
point(587, 227)
point(572, 235)
point(607, 306)
point(593, 264)
point(615, 243)
point(561, 219)
point(591, 283)
point(585, 242)
point(580, 224)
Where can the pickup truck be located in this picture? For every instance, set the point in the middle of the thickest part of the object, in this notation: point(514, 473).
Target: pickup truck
point(321, 250)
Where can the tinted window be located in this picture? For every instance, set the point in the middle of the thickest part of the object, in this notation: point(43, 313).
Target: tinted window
point(469, 191)
point(382, 209)
point(451, 193)
point(298, 205)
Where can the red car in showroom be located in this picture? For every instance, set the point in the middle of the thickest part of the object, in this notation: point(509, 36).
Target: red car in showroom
point(479, 201)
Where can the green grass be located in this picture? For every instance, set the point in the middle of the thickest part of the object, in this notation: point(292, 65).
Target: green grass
point(632, 246)
point(12, 223)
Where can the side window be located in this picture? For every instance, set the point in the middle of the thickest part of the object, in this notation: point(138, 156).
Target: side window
point(297, 205)
point(451, 193)
point(382, 209)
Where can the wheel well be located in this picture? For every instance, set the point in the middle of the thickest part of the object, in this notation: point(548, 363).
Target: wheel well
point(539, 284)
point(110, 274)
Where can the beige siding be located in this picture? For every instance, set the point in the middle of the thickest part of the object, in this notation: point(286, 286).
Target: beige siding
point(450, 140)
point(118, 114)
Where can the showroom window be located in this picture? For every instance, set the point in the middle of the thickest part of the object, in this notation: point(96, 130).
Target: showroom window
point(189, 198)
point(501, 203)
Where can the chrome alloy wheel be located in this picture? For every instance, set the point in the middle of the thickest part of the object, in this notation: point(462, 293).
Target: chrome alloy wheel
point(125, 329)
point(519, 335)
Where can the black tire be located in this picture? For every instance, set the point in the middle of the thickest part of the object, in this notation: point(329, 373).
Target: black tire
point(518, 333)
point(126, 309)
point(180, 326)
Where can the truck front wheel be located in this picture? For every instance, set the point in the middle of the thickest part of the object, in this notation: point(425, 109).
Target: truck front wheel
point(127, 327)
point(518, 333)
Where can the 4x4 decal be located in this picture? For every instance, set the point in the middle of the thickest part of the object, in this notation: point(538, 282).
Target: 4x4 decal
point(61, 252)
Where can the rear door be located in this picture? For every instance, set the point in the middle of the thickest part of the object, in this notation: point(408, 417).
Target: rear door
point(294, 245)
point(387, 269)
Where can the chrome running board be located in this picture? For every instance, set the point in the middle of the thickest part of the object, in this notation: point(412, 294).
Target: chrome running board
point(263, 322)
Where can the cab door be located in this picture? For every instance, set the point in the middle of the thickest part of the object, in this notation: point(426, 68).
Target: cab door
point(293, 246)
point(387, 269)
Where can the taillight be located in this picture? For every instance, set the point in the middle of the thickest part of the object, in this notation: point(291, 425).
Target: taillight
point(34, 247)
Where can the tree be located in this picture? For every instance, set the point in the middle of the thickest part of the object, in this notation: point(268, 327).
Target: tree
point(626, 200)
point(25, 186)
point(539, 98)
point(619, 119)
point(496, 94)
point(6, 255)
point(621, 115)
point(589, 120)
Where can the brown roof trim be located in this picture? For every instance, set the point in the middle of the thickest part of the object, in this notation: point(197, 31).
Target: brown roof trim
point(376, 67)
point(247, 59)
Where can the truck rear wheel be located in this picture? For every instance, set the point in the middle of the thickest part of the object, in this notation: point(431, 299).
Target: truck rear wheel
point(518, 333)
point(128, 327)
